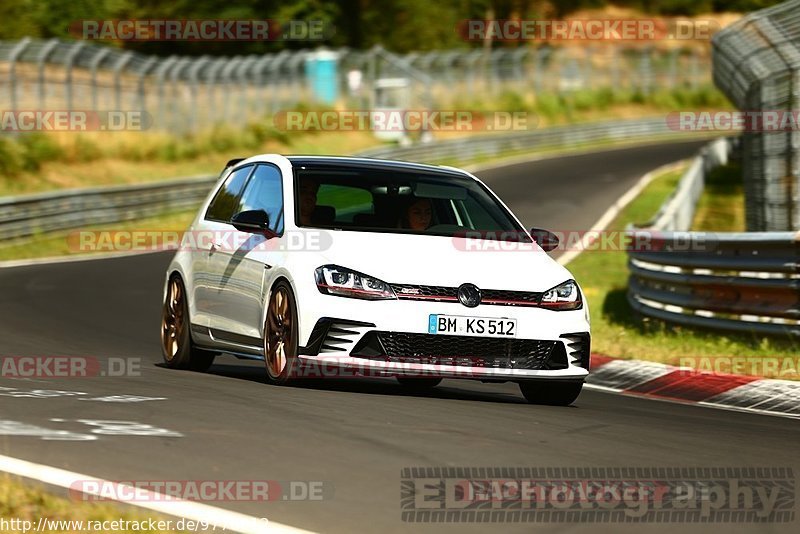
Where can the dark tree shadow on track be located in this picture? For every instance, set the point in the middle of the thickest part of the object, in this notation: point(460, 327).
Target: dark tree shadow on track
point(255, 372)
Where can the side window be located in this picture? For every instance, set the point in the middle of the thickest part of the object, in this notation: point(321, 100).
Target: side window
point(264, 191)
point(226, 202)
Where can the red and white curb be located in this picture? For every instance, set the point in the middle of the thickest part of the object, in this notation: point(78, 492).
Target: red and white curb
point(716, 390)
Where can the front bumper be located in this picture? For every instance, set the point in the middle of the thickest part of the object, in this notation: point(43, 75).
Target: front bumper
point(360, 338)
point(331, 366)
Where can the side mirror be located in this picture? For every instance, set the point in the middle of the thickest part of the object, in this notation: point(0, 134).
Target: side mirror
point(253, 222)
point(545, 239)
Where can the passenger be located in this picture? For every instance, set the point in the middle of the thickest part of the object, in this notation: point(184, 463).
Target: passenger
point(418, 215)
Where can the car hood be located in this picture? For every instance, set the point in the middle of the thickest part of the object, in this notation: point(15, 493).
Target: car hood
point(444, 261)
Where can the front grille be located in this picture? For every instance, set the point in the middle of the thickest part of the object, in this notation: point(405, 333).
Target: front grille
point(509, 297)
point(403, 347)
point(502, 297)
point(415, 292)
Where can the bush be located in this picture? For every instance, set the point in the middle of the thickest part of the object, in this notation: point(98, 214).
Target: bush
point(11, 157)
point(38, 148)
point(84, 149)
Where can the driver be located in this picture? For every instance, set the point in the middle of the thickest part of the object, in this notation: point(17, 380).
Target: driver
point(307, 199)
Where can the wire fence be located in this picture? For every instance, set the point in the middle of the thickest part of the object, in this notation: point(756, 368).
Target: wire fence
point(757, 65)
point(183, 94)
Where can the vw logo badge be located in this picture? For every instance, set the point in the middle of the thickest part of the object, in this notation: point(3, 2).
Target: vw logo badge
point(469, 295)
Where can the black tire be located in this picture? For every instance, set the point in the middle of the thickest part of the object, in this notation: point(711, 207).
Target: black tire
point(418, 384)
point(281, 327)
point(551, 393)
point(177, 347)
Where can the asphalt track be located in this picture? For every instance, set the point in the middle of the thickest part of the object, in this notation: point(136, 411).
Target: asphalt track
point(354, 435)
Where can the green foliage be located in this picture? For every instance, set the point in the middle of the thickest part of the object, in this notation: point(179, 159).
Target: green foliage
point(86, 150)
point(11, 157)
point(401, 26)
point(38, 148)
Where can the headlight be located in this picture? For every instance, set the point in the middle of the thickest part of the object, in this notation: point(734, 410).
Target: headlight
point(562, 297)
point(335, 280)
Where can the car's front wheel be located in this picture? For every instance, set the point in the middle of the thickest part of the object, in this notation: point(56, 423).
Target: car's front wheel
point(280, 335)
point(551, 393)
point(176, 341)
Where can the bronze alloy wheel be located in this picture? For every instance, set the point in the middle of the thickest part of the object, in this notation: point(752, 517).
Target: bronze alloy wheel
point(176, 341)
point(280, 335)
point(173, 320)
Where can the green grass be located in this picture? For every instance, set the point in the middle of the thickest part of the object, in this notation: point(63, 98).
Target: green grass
point(27, 502)
point(616, 331)
point(721, 207)
point(591, 104)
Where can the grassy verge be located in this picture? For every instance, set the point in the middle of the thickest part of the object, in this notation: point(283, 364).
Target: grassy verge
point(721, 207)
point(61, 244)
point(37, 162)
point(583, 105)
point(25, 502)
point(617, 332)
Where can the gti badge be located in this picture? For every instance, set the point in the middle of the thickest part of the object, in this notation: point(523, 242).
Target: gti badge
point(469, 295)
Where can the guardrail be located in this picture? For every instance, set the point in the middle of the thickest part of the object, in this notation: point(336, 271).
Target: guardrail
point(678, 210)
point(28, 215)
point(744, 282)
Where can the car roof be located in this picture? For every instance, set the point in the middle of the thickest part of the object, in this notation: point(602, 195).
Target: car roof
point(374, 163)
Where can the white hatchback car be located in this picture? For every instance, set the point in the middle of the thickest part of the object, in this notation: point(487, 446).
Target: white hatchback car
point(334, 266)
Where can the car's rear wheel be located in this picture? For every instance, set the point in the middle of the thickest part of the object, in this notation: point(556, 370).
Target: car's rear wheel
point(419, 384)
point(280, 335)
point(176, 341)
point(551, 393)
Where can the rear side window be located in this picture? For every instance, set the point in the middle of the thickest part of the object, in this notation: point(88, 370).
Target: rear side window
point(226, 202)
point(264, 192)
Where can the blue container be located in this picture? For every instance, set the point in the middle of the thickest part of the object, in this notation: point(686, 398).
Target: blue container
point(322, 74)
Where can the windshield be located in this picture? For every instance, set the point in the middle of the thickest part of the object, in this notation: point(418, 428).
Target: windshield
point(370, 199)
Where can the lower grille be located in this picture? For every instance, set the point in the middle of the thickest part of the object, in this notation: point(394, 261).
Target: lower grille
point(579, 345)
point(403, 347)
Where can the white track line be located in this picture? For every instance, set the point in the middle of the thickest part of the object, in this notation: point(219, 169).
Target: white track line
point(700, 404)
point(73, 258)
point(615, 209)
point(232, 521)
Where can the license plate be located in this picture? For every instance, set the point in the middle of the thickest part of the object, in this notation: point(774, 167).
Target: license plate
point(459, 325)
